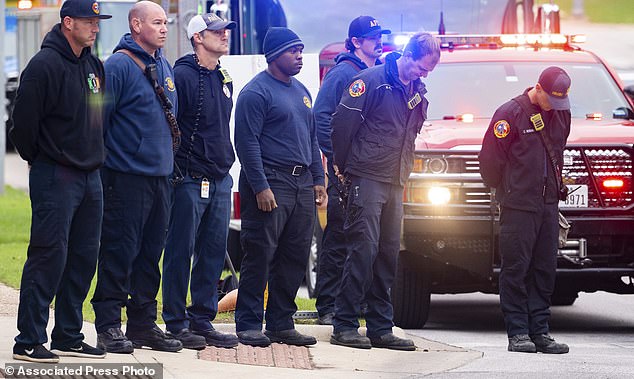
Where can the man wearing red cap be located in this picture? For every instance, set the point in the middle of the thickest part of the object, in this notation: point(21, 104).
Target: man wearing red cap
point(522, 156)
point(58, 131)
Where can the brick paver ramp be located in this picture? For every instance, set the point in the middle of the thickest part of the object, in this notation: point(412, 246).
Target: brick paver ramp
point(276, 355)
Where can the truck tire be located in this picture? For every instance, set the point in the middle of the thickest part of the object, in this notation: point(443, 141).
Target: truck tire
point(411, 291)
point(313, 259)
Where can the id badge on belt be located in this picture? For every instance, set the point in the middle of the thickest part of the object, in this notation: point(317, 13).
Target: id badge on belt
point(204, 189)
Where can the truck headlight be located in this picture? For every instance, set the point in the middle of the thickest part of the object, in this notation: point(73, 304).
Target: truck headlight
point(439, 195)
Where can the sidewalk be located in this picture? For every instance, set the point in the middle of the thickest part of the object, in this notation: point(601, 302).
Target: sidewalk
point(327, 361)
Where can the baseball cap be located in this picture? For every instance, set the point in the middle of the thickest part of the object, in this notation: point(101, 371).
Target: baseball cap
point(81, 9)
point(556, 82)
point(364, 26)
point(209, 21)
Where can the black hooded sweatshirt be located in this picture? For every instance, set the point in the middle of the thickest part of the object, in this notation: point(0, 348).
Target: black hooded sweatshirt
point(209, 153)
point(58, 109)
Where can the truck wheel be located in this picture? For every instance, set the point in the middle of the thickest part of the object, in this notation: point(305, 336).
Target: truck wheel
point(313, 259)
point(411, 291)
point(563, 298)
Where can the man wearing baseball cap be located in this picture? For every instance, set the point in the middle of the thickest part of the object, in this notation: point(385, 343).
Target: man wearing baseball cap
point(281, 180)
point(58, 131)
point(201, 200)
point(364, 48)
point(522, 156)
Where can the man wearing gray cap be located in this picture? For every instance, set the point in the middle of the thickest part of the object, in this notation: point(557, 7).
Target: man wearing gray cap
point(58, 131)
point(281, 180)
point(522, 156)
point(201, 205)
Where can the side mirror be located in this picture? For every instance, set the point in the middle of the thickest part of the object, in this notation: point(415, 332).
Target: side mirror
point(623, 113)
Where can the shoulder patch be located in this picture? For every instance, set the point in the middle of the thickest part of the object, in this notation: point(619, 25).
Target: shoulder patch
point(357, 88)
point(307, 102)
point(169, 83)
point(501, 129)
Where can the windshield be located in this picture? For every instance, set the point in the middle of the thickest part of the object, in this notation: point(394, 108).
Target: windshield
point(480, 88)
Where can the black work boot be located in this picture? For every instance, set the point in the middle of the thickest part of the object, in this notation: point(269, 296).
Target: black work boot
point(521, 343)
point(155, 339)
point(218, 339)
point(253, 338)
point(188, 339)
point(350, 338)
point(547, 345)
point(290, 337)
point(391, 341)
point(114, 341)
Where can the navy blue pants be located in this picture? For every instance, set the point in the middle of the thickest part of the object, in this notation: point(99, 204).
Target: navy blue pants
point(276, 245)
point(198, 227)
point(132, 239)
point(372, 227)
point(528, 246)
point(66, 206)
point(333, 251)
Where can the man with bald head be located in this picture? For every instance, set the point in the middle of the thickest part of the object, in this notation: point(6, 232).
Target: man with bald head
point(139, 143)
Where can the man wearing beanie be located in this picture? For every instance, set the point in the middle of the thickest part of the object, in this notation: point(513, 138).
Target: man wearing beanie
point(364, 48)
point(373, 133)
point(280, 181)
point(522, 156)
point(58, 131)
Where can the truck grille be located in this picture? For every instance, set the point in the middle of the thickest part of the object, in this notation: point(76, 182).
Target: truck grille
point(459, 173)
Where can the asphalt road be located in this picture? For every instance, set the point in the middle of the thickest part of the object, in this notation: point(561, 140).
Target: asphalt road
point(599, 328)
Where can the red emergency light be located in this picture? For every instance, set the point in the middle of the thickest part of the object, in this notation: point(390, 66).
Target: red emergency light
point(613, 184)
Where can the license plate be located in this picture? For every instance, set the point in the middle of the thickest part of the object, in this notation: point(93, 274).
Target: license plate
point(577, 197)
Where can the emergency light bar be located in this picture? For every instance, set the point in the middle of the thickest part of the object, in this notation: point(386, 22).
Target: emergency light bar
point(508, 40)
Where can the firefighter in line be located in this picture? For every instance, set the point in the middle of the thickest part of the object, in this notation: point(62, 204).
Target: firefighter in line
point(522, 156)
point(201, 205)
point(373, 134)
point(281, 180)
point(58, 130)
point(364, 49)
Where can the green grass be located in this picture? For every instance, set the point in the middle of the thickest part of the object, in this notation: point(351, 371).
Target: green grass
point(15, 221)
point(600, 11)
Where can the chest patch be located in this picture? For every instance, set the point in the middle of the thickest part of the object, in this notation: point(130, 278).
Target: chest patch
point(93, 82)
point(307, 102)
point(357, 88)
point(501, 129)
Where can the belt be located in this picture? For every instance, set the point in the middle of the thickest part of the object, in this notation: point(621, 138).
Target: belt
point(296, 170)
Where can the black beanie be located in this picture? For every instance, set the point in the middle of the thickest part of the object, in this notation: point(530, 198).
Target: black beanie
point(277, 40)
